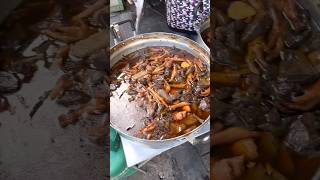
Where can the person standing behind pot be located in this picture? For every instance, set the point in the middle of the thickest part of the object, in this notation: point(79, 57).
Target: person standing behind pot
point(186, 15)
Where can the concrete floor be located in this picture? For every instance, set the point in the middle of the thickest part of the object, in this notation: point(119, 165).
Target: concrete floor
point(153, 20)
point(38, 148)
point(185, 162)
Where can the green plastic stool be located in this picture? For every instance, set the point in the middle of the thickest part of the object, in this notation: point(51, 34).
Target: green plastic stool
point(118, 165)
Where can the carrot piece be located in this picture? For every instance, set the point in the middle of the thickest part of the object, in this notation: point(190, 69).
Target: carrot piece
point(173, 90)
point(178, 105)
point(167, 87)
point(179, 86)
point(232, 134)
point(149, 128)
point(158, 69)
point(139, 75)
point(174, 73)
point(205, 92)
point(189, 78)
point(186, 108)
point(178, 116)
point(185, 65)
point(245, 147)
point(157, 96)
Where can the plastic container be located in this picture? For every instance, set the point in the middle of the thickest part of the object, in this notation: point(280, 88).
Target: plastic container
point(118, 165)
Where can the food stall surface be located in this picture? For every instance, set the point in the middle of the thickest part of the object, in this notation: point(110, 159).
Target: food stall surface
point(182, 162)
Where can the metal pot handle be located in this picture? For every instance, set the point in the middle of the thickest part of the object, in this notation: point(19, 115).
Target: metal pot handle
point(116, 31)
point(198, 8)
point(203, 10)
point(196, 138)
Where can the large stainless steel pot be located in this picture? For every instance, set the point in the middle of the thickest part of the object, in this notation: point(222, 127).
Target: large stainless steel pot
point(204, 25)
point(157, 39)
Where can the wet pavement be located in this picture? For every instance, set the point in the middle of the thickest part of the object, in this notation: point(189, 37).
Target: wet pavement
point(38, 148)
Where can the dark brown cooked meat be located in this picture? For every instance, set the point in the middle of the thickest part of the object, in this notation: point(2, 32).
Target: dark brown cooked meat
point(266, 96)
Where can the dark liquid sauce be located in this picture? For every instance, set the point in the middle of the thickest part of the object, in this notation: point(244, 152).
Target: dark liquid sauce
point(206, 36)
